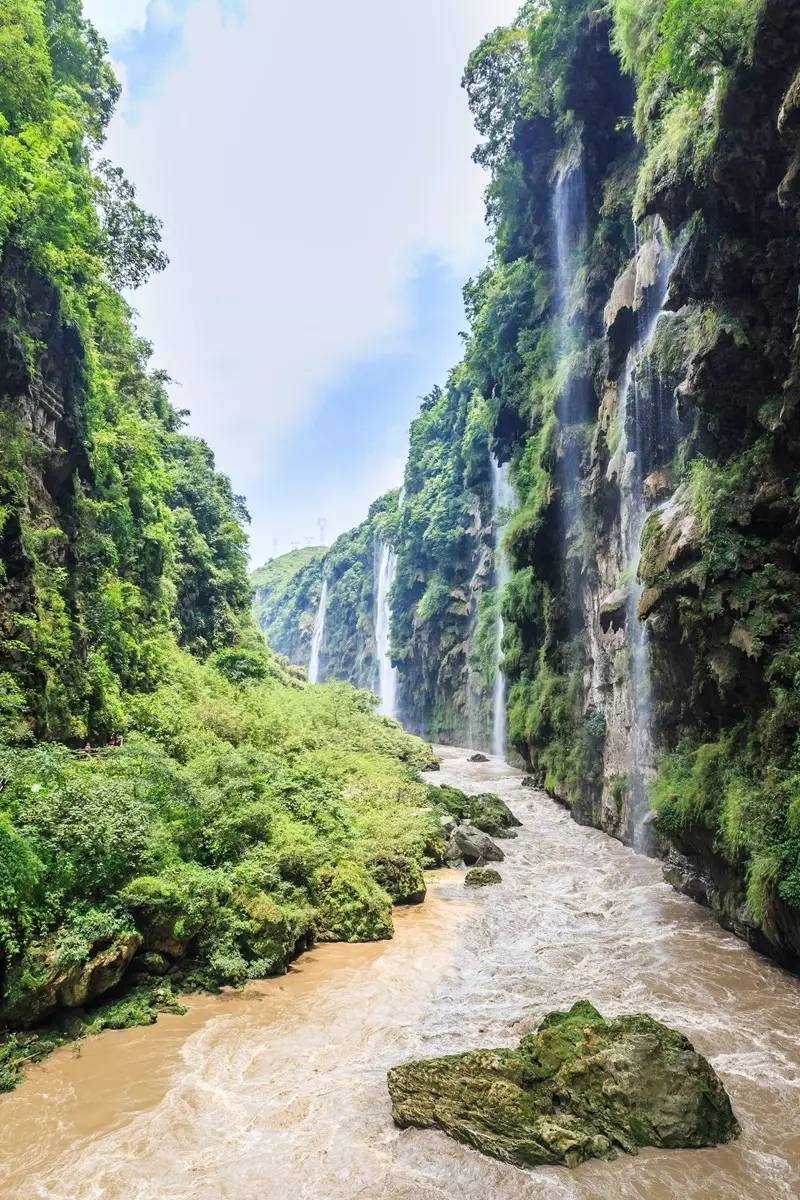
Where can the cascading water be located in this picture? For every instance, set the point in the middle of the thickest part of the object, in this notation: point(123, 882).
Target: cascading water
point(502, 501)
point(318, 635)
point(569, 225)
point(385, 563)
point(648, 436)
point(575, 400)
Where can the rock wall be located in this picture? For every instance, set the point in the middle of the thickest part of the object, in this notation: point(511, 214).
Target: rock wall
point(632, 354)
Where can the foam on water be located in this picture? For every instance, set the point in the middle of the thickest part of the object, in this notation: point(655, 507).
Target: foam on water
point(287, 1096)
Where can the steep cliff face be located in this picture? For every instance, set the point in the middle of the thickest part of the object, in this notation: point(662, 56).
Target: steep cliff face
point(444, 607)
point(654, 645)
point(633, 357)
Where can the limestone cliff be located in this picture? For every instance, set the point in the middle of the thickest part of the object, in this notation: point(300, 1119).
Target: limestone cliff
point(632, 354)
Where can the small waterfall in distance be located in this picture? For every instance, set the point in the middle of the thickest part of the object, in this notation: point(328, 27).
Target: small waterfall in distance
point(385, 562)
point(318, 635)
point(502, 501)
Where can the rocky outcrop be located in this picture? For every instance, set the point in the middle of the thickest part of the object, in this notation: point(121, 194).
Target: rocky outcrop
point(401, 876)
point(492, 815)
point(353, 907)
point(579, 1087)
point(43, 982)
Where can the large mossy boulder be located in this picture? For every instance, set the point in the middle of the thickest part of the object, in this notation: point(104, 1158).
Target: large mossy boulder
point(491, 815)
point(446, 799)
point(485, 811)
point(400, 875)
point(579, 1087)
point(269, 932)
point(353, 907)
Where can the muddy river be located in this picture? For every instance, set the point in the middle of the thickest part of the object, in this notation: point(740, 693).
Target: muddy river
point(279, 1091)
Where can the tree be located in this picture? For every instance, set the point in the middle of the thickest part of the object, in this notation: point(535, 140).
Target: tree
point(131, 237)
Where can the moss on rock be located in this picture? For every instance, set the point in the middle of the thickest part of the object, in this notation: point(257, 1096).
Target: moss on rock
point(401, 876)
point(480, 877)
point(579, 1087)
point(354, 908)
point(491, 815)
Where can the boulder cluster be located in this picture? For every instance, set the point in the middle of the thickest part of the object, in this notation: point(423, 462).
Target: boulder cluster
point(470, 825)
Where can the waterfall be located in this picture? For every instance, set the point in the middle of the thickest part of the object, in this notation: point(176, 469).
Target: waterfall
point(575, 405)
point(387, 674)
point(318, 635)
point(569, 225)
point(502, 500)
point(648, 436)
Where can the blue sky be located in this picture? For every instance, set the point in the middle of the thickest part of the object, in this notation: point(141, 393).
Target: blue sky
point(312, 168)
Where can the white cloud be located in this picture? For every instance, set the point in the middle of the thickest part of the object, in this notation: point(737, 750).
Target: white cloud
point(114, 18)
point(302, 159)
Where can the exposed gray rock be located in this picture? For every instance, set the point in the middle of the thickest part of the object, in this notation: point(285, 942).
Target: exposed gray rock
point(469, 845)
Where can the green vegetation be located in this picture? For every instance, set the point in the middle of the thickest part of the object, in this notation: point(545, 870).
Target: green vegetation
point(116, 533)
point(238, 821)
point(177, 807)
point(287, 594)
point(286, 599)
point(736, 778)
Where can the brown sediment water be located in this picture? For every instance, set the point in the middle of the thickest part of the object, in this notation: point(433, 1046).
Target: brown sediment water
point(280, 1090)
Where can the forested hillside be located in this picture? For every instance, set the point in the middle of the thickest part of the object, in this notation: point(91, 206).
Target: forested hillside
point(176, 806)
point(632, 356)
point(287, 598)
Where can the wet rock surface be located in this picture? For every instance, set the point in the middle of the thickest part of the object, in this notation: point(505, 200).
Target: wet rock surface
point(468, 845)
point(491, 815)
point(579, 1087)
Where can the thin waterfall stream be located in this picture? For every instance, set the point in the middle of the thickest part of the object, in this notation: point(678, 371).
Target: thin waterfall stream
point(502, 501)
point(647, 436)
point(318, 635)
point(385, 565)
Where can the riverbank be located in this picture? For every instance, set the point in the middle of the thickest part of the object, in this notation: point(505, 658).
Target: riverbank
point(281, 1089)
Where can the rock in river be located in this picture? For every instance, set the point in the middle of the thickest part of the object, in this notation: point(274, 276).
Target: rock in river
point(491, 815)
point(477, 758)
point(478, 877)
point(579, 1087)
point(467, 844)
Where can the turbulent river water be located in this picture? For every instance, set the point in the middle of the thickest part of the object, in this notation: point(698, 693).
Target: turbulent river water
point(280, 1090)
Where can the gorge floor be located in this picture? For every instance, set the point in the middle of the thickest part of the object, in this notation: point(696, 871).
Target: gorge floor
point(281, 1089)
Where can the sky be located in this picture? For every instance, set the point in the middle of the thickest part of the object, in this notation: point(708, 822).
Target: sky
point(311, 164)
